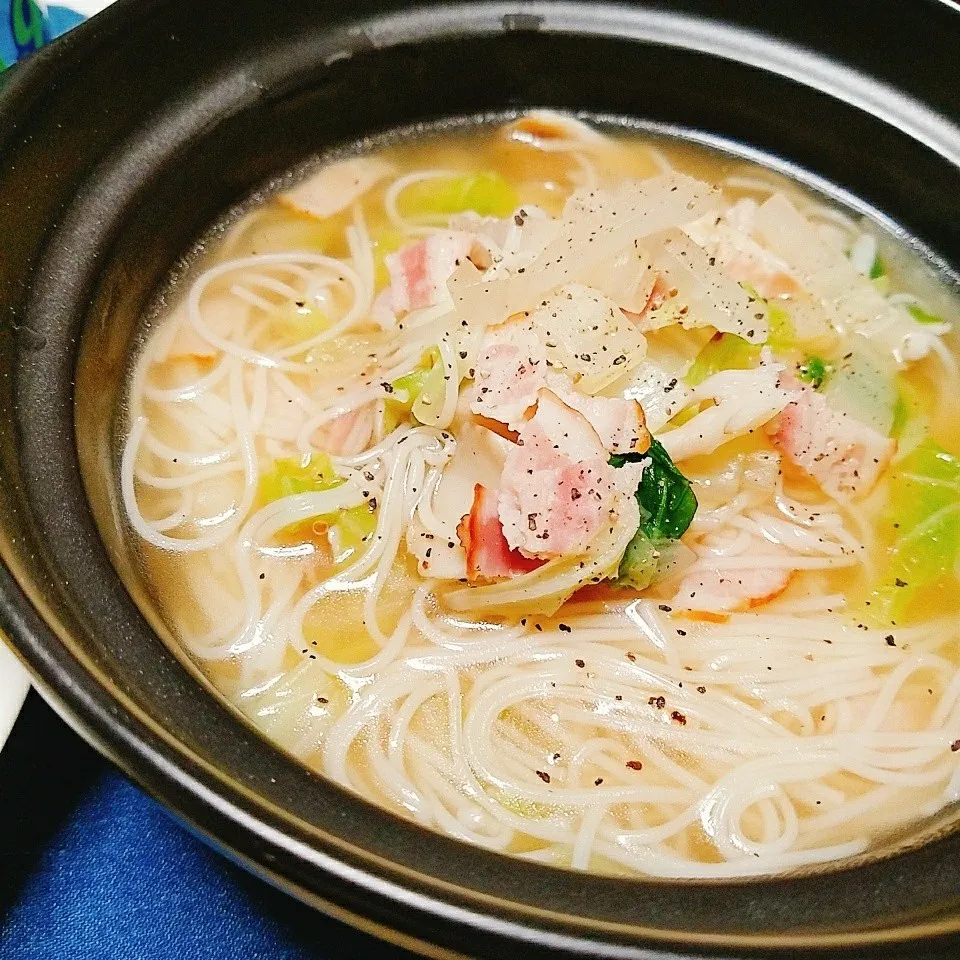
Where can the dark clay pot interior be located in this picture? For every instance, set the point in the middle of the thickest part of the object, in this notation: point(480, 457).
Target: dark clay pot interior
point(124, 143)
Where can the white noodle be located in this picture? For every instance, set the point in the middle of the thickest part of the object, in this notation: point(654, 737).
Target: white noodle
point(617, 732)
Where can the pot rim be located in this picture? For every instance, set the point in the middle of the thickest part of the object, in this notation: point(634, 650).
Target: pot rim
point(88, 699)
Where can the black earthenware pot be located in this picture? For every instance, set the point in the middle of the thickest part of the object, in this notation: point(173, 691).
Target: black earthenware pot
point(121, 144)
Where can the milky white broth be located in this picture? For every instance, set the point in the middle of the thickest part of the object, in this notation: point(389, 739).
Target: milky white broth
point(575, 673)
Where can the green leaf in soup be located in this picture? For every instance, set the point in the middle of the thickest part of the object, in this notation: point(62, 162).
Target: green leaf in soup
point(423, 384)
point(783, 334)
point(910, 421)
point(639, 563)
point(724, 351)
point(647, 561)
point(877, 268)
point(408, 388)
point(353, 526)
point(667, 507)
point(667, 501)
point(291, 475)
point(299, 322)
point(923, 510)
point(923, 316)
point(814, 370)
point(347, 529)
point(487, 194)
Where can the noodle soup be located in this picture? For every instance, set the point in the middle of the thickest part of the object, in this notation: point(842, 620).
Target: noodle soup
point(590, 498)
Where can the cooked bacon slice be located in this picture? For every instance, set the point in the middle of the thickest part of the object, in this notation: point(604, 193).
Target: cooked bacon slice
point(509, 372)
point(558, 489)
point(336, 186)
point(495, 426)
point(513, 368)
point(619, 423)
point(420, 270)
point(489, 556)
point(715, 593)
point(348, 434)
point(844, 455)
point(545, 129)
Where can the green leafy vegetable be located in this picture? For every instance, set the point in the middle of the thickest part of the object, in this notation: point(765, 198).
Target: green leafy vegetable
point(727, 351)
point(909, 412)
point(423, 384)
point(638, 566)
point(299, 322)
point(724, 351)
point(291, 475)
point(902, 415)
point(486, 194)
point(408, 387)
point(814, 370)
point(923, 316)
point(924, 516)
point(352, 527)
point(666, 498)
point(667, 507)
point(343, 530)
point(783, 334)
point(877, 268)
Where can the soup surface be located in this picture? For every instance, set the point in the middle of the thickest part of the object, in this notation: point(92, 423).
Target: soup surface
point(593, 498)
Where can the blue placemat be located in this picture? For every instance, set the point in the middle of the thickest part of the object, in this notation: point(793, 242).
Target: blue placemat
point(26, 25)
point(91, 868)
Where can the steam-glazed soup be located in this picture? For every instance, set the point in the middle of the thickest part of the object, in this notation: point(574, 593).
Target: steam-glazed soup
point(592, 498)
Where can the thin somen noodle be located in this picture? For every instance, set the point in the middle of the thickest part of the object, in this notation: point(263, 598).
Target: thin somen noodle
point(594, 499)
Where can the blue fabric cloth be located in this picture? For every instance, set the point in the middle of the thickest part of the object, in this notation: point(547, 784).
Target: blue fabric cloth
point(25, 26)
point(92, 868)
point(62, 19)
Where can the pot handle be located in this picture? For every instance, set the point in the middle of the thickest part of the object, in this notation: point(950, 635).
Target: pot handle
point(14, 684)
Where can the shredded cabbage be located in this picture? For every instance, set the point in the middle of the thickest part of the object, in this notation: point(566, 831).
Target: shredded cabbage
point(743, 400)
point(344, 530)
point(352, 528)
point(861, 385)
point(725, 351)
point(296, 708)
point(783, 335)
point(422, 385)
point(487, 194)
point(291, 475)
point(299, 322)
point(924, 516)
point(921, 315)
